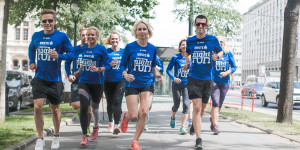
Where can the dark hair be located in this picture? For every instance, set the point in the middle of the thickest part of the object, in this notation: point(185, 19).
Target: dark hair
point(179, 50)
point(201, 17)
point(49, 11)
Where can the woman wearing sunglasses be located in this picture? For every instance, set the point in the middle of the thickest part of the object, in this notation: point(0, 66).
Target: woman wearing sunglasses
point(221, 72)
point(139, 57)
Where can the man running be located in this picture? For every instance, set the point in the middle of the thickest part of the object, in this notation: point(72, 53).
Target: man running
point(204, 49)
point(49, 45)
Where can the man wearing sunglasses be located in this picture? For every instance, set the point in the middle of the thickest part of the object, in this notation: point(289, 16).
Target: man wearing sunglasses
point(48, 47)
point(204, 50)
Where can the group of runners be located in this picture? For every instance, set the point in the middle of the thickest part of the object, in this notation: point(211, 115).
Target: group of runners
point(201, 70)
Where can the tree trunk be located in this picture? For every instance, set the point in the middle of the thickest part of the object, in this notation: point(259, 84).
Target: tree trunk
point(285, 106)
point(3, 61)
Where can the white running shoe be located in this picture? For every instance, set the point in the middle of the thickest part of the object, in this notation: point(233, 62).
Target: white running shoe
point(55, 142)
point(40, 143)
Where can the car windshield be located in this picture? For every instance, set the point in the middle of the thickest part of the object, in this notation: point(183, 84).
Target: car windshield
point(13, 80)
point(258, 87)
point(296, 85)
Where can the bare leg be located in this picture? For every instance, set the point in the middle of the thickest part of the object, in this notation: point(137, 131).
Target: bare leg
point(56, 118)
point(197, 104)
point(184, 119)
point(75, 105)
point(203, 109)
point(215, 115)
point(173, 114)
point(132, 102)
point(191, 110)
point(38, 116)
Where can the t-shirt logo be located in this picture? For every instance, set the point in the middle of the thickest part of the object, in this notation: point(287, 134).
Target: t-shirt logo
point(87, 63)
point(201, 57)
point(142, 65)
point(182, 73)
point(221, 66)
point(43, 53)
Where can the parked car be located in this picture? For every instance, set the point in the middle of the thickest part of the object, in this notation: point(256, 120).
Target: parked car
point(249, 90)
point(271, 93)
point(19, 90)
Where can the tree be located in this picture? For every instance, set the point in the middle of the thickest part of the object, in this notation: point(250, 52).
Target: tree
point(104, 14)
point(223, 19)
point(285, 106)
point(3, 61)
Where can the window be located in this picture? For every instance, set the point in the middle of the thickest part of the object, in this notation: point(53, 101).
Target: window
point(16, 64)
point(25, 34)
point(25, 65)
point(25, 24)
point(17, 34)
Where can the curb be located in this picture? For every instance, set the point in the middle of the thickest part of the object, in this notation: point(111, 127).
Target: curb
point(21, 145)
point(268, 131)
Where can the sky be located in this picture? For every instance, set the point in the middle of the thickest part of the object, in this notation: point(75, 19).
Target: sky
point(168, 32)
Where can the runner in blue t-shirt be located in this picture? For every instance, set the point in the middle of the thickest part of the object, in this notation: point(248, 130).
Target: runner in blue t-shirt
point(94, 62)
point(204, 49)
point(222, 69)
point(139, 57)
point(75, 99)
point(114, 83)
point(179, 86)
point(48, 47)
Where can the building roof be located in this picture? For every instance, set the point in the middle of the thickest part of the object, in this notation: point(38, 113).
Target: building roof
point(166, 52)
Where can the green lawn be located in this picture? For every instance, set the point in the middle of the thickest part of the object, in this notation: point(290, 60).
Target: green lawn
point(18, 128)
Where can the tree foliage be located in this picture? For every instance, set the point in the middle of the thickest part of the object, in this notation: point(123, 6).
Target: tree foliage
point(107, 15)
point(223, 19)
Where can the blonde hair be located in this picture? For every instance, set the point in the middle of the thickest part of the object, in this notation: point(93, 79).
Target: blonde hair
point(221, 38)
point(106, 41)
point(49, 11)
point(179, 50)
point(96, 29)
point(149, 27)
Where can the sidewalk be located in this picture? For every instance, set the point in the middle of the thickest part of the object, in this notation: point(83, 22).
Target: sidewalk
point(233, 136)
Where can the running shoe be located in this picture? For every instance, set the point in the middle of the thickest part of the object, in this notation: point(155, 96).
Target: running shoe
point(192, 130)
point(110, 127)
point(55, 142)
point(190, 123)
point(40, 143)
point(211, 124)
point(85, 140)
point(172, 123)
point(124, 123)
point(198, 144)
point(88, 131)
point(135, 145)
point(116, 130)
point(216, 130)
point(182, 131)
point(94, 135)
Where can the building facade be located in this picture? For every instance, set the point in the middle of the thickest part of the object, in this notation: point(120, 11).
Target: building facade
point(263, 38)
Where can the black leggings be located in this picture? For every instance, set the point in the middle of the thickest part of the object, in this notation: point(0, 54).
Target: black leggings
point(177, 91)
point(114, 92)
point(85, 91)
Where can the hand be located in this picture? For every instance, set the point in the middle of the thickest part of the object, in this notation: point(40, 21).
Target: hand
point(215, 57)
point(223, 74)
point(53, 54)
point(94, 69)
point(72, 78)
point(33, 66)
point(186, 66)
point(114, 62)
point(129, 77)
point(158, 68)
point(177, 80)
point(159, 77)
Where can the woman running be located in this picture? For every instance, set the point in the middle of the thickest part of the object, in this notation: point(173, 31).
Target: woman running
point(139, 57)
point(94, 62)
point(223, 68)
point(114, 83)
point(179, 86)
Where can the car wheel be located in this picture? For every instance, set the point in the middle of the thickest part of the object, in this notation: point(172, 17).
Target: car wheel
point(264, 103)
point(19, 103)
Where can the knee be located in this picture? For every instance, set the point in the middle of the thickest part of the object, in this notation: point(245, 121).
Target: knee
point(197, 109)
point(132, 117)
point(38, 109)
point(143, 113)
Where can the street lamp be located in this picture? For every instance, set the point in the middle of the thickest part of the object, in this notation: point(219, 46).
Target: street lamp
point(74, 11)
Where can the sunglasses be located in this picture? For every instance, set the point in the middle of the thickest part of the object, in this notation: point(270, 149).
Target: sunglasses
point(199, 23)
point(221, 42)
point(49, 20)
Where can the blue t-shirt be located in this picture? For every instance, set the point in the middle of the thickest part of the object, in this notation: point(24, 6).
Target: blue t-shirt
point(114, 74)
point(201, 56)
point(76, 62)
point(225, 63)
point(158, 63)
point(96, 56)
point(178, 61)
point(140, 62)
point(41, 44)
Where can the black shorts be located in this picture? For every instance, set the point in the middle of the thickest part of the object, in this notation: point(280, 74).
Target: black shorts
point(137, 91)
point(199, 89)
point(53, 91)
point(74, 93)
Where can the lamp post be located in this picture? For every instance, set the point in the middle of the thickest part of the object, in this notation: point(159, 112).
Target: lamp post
point(74, 11)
